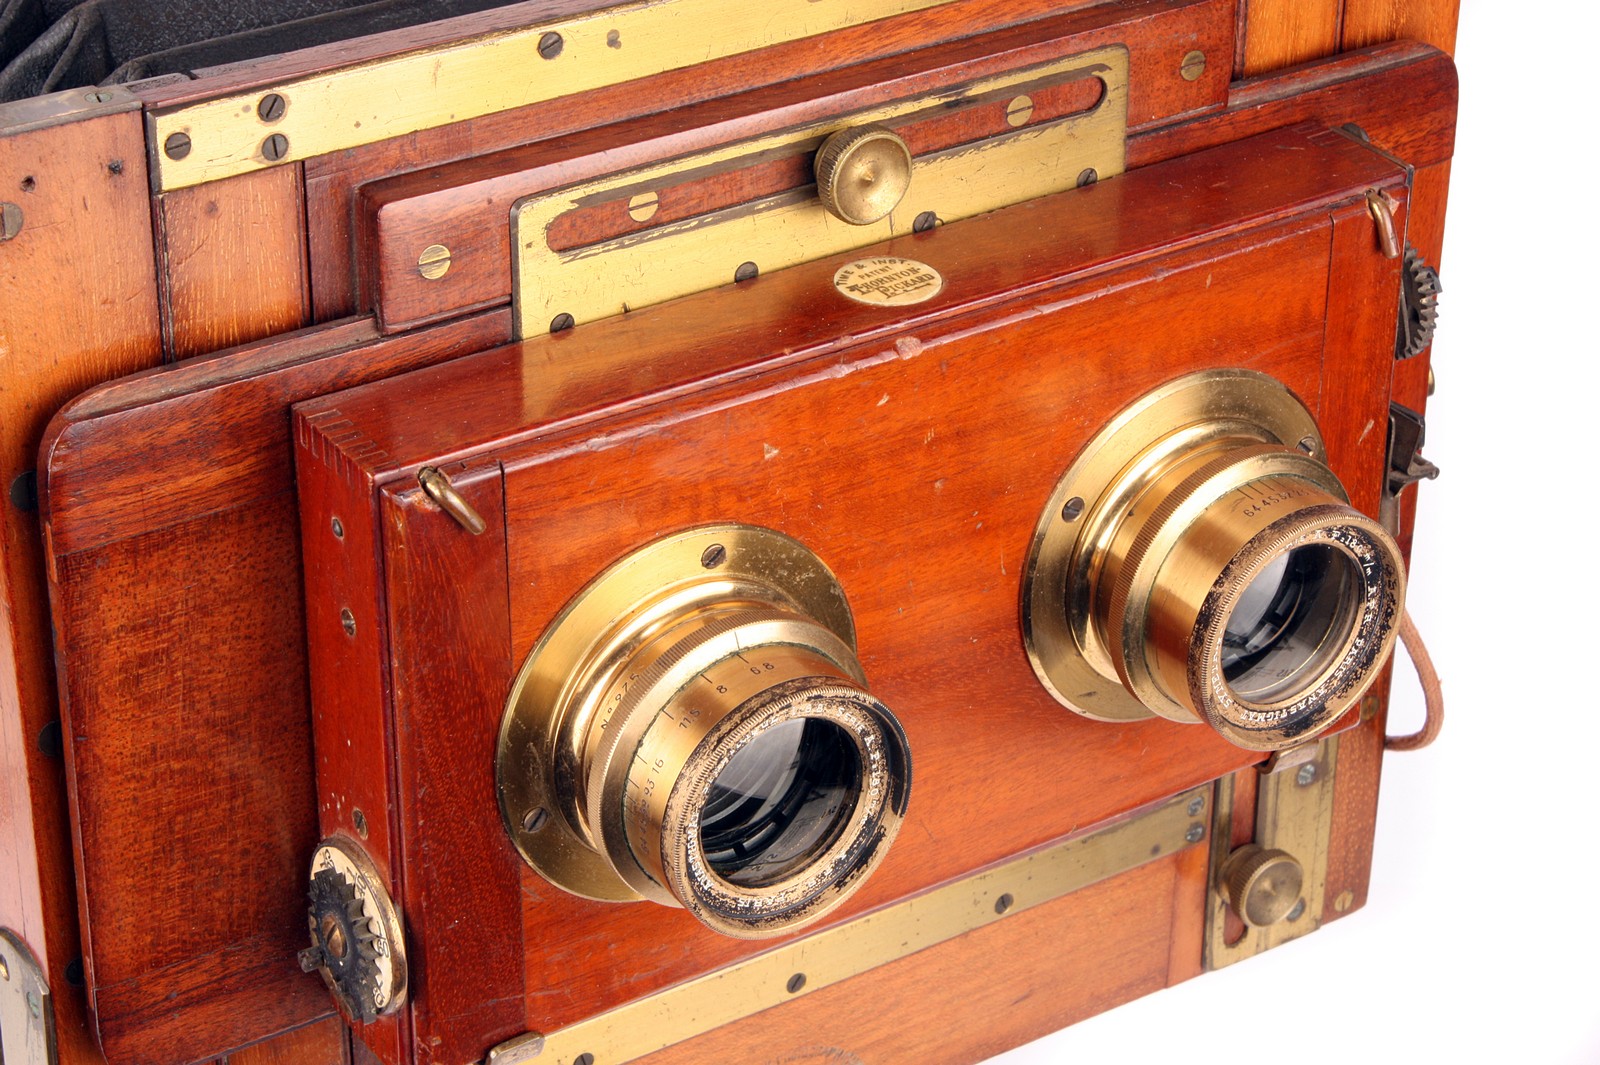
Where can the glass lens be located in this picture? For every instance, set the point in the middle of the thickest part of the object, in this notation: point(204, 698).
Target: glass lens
point(781, 801)
point(1290, 624)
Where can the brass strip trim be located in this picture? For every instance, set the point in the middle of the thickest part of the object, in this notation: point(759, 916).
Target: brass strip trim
point(362, 104)
point(842, 951)
point(661, 263)
point(27, 1018)
point(1294, 813)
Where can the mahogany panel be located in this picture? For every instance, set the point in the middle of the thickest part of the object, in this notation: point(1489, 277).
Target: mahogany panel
point(977, 995)
point(1280, 33)
point(233, 261)
point(77, 305)
point(914, 401)
point(1402, 95)
point(1370, 21)
point(175, 547)
point(332, 179)
point(323, 1043)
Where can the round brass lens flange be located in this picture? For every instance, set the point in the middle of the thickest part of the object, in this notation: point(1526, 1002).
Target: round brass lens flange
point(1199, 561)
point(695, 730)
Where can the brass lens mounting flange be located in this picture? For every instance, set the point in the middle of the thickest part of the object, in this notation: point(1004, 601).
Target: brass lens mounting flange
point(694, 730)
point(1200, 562)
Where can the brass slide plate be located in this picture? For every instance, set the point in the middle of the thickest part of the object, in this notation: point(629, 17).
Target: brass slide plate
point(1294, 813)
point(842, 951)
point(369, 102)
point(679, 258)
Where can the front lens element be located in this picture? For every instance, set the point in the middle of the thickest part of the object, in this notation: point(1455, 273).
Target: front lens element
point(1291, 622)
point(782, 800)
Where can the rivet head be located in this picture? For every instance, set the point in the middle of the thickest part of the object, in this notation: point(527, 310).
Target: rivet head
point(643, 207)
point(178, 146)
point(1019, 110)
point(863, 173)
point(434, 262)
point(1193, 65)
point(10, 220)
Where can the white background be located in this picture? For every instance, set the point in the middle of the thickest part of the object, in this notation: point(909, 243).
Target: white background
point(1480, 941)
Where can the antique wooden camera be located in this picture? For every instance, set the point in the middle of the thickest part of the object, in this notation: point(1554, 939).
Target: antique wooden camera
point(662, 517)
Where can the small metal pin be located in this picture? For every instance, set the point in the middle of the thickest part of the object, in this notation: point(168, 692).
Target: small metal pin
point(442, 492)
point(1381, 206)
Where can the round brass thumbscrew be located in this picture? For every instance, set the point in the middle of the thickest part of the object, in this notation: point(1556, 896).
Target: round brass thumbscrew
point(863, 173)
point(1263, 886)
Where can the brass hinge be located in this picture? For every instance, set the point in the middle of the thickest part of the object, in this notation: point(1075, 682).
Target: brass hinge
point(27, 1019)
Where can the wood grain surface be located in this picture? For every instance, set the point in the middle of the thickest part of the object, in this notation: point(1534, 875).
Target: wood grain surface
point(904, 448)
point(243, 264)
point(77, 305)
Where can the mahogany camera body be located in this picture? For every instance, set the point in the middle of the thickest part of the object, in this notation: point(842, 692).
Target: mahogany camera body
point(658, 612)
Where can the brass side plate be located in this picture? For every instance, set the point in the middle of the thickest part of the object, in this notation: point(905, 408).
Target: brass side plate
point(667, 261)
point(27, 1019)
point(1294, 813)
point(362, 104)
point(816, 961)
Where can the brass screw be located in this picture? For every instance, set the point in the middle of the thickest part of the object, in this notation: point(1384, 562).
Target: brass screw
point(535, 819)
point(338, 528)
point(925, 221)
point(1088, 177)
point(434, 262)
point(271, 107)
point(10, 220)
point(1072, 509)
point(97, 97)
point(1194, 65)
point(1196, 833)
point(713, 556)
point(1344, 901)
point(1197, 804)
point(178, 146)
point(275, 148)
point(1004, 903)
point(360, 820)
point(348, 620)
point(561, 322)
point(550, 45)
point(747, 272)
point(643, 206)
point(796, 982)
point(1019, 110)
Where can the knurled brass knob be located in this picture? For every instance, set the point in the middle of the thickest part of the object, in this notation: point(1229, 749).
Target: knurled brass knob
point(1263, 886)
point(863, 173)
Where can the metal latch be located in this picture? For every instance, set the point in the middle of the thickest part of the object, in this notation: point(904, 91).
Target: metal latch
point(1406, 464)
point(27, 1019)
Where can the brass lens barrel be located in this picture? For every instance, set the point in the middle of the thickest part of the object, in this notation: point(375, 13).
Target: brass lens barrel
point(712, 744)
point(1211, 567)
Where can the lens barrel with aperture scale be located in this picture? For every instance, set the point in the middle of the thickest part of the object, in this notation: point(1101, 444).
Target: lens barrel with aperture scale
point(1201, 562)
point(705, 738)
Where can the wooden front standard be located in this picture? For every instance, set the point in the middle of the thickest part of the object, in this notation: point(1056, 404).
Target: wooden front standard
point(911, 449)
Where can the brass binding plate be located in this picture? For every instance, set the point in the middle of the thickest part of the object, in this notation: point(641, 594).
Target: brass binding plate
point(463, 80)
point(812, 962)
point(557, 288)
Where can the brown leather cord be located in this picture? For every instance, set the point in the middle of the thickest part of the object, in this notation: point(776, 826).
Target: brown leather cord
point(1432, 693)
